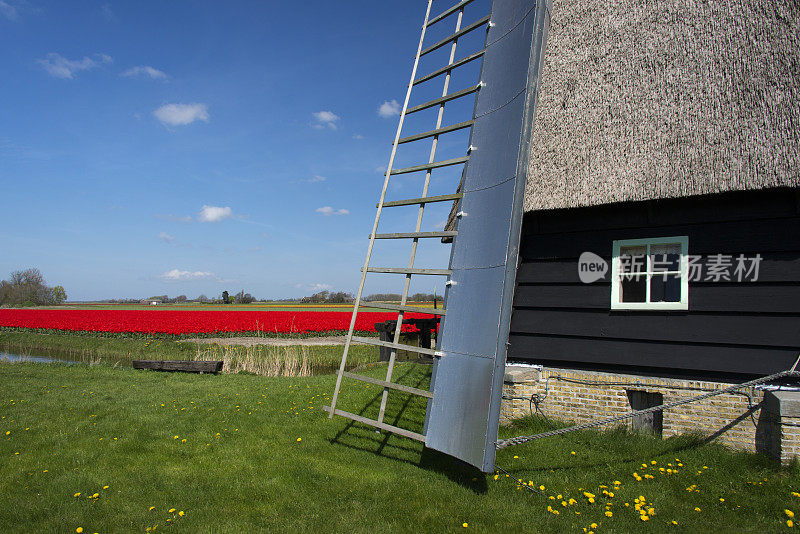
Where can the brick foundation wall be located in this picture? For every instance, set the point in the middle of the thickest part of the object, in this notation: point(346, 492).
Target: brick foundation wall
point(735, 420)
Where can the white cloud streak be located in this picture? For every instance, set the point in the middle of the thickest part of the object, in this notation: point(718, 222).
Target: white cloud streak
point(389, 109)
point(144, 71)
point(325, 119)
point(214, 214)
point(327, 211)
point(166, 238)
point(8, 11)
point(176, 275)
point(58, 66)
point(181, 114)
point(313, 180)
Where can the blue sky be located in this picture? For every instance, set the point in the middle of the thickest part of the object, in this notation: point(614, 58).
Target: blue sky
point(194, 147)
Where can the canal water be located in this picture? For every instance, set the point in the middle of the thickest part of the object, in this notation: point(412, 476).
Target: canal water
point(11, 357)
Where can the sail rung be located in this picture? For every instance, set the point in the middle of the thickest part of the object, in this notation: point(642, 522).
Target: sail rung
point(409, 270)
point(448, 68)
point(475, 25)
point(396, 346)
point(402, 307)
point(437, 131)
point(421, 200)
point(416, 235)
point(390, 385)
point(432, 165)
point(383, 426)
point(448, 12)
point(443, 99)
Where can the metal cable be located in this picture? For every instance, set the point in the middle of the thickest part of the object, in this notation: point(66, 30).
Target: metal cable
point(524, 439)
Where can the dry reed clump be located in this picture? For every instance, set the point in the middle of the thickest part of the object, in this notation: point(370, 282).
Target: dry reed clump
point(259, 359)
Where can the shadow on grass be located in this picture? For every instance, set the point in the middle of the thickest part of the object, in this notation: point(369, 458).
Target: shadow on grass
point(361, 437)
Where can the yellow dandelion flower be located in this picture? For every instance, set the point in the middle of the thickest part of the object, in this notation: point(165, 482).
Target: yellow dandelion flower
point(79, 530)
point(183, 440)
point(593, 525)
point(572, 453)
point(105, 487)
point(644, 517)
point(789, 514)
point(77, 494)
point(674, 522)
point(591, 501)
point(465, 525)
point(795, 494)
point(609, 513)
point(171, 510)
point(515, 457)
point(176, 437)
point(653, 462)
point(96, 495)
point(697, 509)
point(721, 499)
point(151, 508)
point(789, 523)
point(8, 432)
point(299, 439)
point(541, 487)
point(181, 513)
point(496, 477)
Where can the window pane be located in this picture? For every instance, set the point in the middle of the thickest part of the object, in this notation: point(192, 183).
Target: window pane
point(665, 257)
point(632, 259)
point(665, 288)
point(633, 288)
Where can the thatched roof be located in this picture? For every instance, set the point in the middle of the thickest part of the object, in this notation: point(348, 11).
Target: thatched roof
point(670, 98)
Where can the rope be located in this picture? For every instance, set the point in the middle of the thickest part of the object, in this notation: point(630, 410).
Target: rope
point(503, 443)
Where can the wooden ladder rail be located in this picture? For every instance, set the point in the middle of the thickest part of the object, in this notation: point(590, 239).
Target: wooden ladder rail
point(388, 175)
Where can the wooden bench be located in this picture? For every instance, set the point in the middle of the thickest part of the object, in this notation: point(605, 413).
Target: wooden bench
point(187, 366)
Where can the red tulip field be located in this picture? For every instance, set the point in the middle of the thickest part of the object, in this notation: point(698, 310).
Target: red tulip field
point(178, 322)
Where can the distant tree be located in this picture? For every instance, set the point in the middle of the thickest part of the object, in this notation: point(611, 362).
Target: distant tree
point(58, 295)
point(376, 297)
point(340, 298)
point(225, 298)
point(202, 298)
point(243, 298)
point(181, 298)
point(28, 288)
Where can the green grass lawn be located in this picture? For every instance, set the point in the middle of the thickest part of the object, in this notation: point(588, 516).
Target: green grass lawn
point(242, 453)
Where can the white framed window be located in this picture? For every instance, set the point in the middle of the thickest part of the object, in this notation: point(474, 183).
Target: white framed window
point(650, 274)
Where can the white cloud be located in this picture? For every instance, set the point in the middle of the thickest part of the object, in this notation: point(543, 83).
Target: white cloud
point(327, 211)
point(325, 119)
point(145, 71)
point(8, 11)
point(58, 66)
point(313, 180)
point(390, 108)
point(358, 136)
point(181, 114)
point(108, 13)
point(165, 237)
point(176, 275)
point(214, 214)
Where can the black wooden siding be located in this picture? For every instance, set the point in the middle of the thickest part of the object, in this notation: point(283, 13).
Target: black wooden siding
point(731, 328)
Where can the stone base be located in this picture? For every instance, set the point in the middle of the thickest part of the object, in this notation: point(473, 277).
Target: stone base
point(751, 419)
